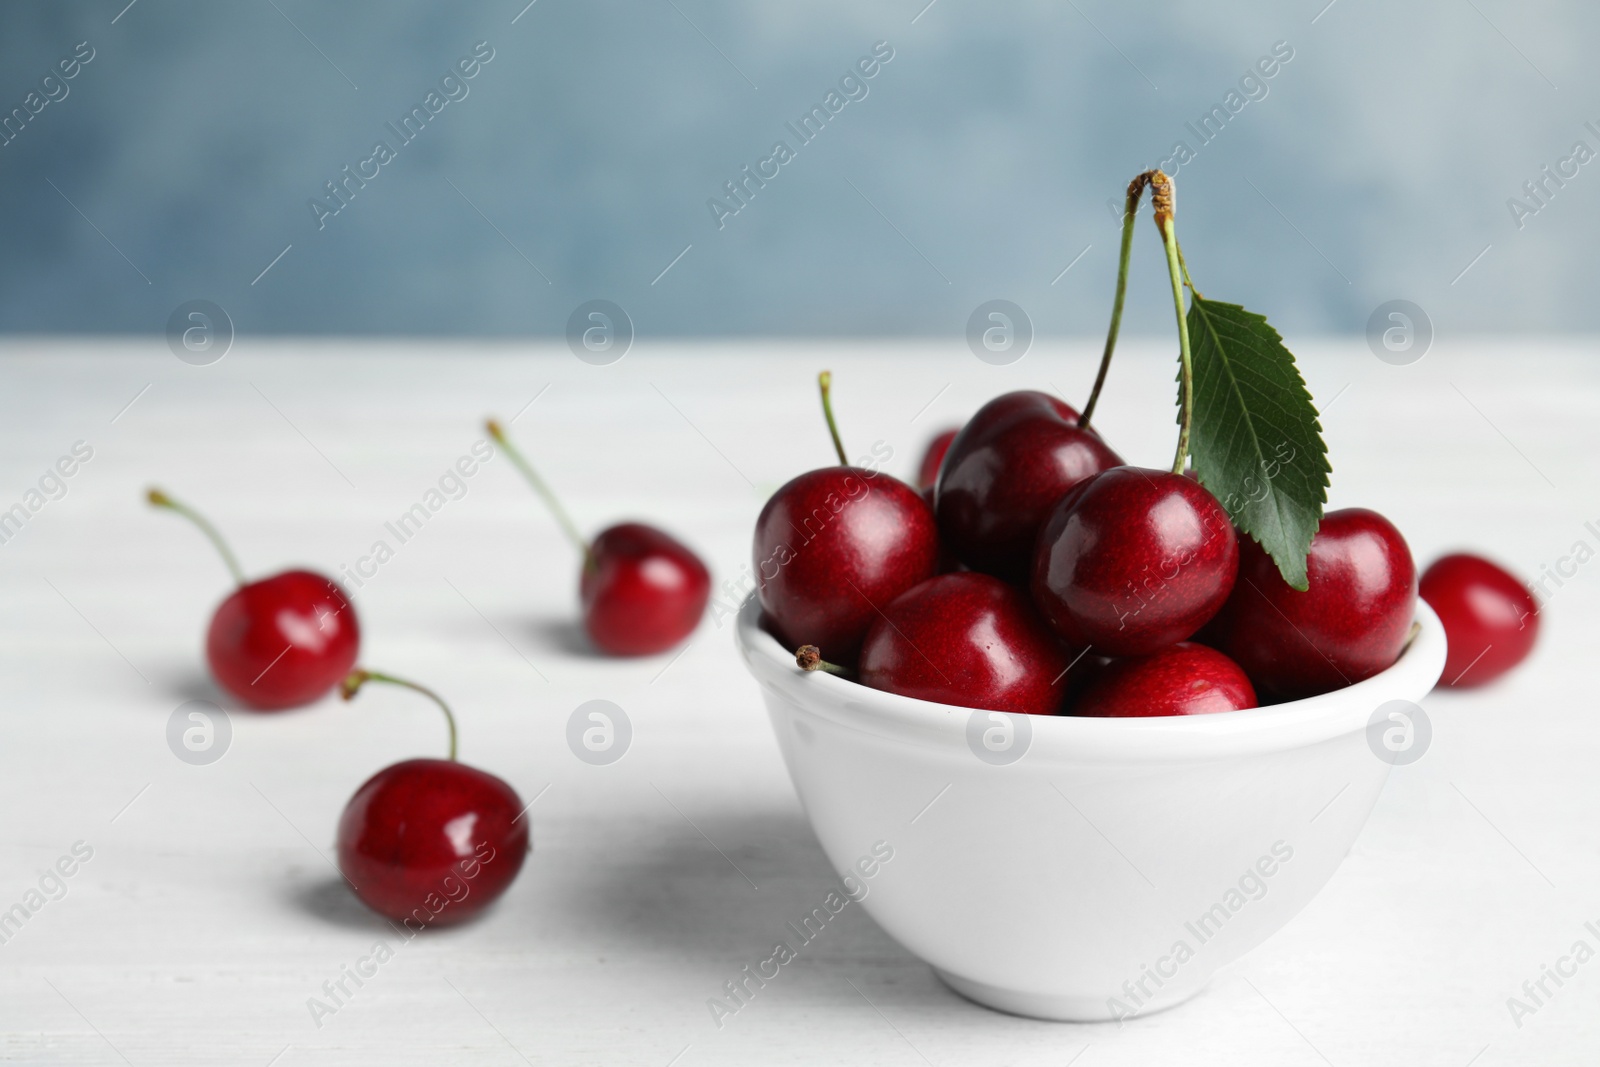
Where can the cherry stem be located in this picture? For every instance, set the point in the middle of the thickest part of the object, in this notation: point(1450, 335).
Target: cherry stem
point(1130, 212)
point(160, 499)
point(825, 383)
point(1161, 199)
point(357, 678)
point(562, 518)
point(1186, 279)
point(809, 658)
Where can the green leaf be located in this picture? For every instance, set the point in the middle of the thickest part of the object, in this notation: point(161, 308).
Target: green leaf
point(1254, 435)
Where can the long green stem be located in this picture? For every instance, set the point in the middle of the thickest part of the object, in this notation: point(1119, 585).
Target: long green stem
point(1186, 279)
point(357, 678)
point(1130, 213)
point(1161, 200)
point(564, 520)
point(160, 499)
point(825, 383)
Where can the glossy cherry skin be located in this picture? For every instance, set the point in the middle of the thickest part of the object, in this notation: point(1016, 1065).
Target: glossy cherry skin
point(928, 472)
point(283, 641)
point(1181, 679)
point(835, 545)
point(970, 640)
point(642, 590)
point(1004, 472)
point(1132, 560)
point(1490, 619)
point(1350, 624)
point(431, 842)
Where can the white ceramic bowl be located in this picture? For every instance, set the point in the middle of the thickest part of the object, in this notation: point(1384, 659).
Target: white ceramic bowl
point(1077, 868)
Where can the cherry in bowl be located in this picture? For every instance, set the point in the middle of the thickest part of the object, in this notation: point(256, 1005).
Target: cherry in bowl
point(1351, 622)
point(277, 642)
point(1010, 464)
point(1132, 560)
point(1182, 679)
point(965, 639)
point(933, 457)
point(835, 544)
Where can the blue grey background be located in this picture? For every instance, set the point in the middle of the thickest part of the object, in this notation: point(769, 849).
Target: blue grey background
point(980, 164)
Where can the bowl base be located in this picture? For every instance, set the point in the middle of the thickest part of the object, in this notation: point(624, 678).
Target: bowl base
point(1063, 1009)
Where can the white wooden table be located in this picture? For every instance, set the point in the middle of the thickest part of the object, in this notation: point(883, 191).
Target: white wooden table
point(209, 913)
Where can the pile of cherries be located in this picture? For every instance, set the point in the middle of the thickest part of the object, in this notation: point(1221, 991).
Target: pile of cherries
point(432, 842)
point(1037, 572)
point(1032, 571)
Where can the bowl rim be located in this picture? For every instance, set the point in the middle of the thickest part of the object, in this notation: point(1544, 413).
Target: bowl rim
point(1072, 738)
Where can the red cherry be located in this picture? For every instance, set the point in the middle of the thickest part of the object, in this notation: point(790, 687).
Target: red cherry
point(835, 545)
point(1350, 624)
point(1004, 472)
point(642, 590)
point(1182, 679)
point(928, 472)
point(430, 842)
point(1132, 560)
point(283, 641)
point(970, 640)
point(279, 642)
point(1490, 619)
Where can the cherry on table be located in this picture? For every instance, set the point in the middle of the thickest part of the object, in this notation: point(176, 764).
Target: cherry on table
point(1351, 623)
point(1491, 620)
point(278, 642)
point(970, 640)
point(834, 545)
point(1005, 470)
point(928, 470)
point(1132, 560)
point(430, 842)
point(642, 591)
point(1182, 679)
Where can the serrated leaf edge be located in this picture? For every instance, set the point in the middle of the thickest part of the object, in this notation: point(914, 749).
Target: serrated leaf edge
point(1298, 579)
